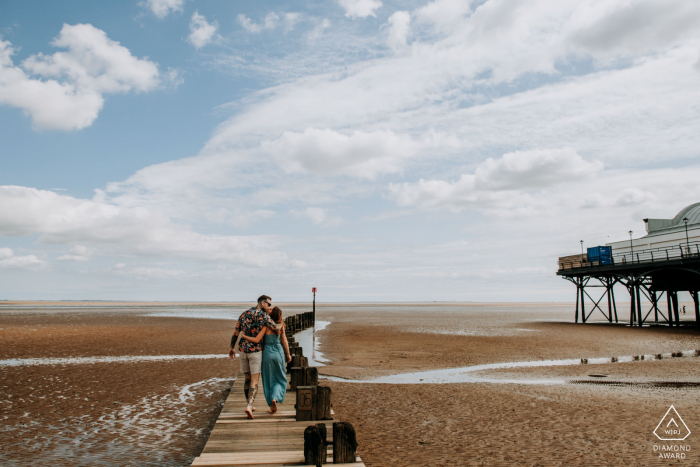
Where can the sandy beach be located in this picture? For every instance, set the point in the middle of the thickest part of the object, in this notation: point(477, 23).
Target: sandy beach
point(160, 412)
point(510, 424)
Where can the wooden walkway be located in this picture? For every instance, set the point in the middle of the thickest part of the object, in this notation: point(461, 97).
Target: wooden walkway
point(268, 440)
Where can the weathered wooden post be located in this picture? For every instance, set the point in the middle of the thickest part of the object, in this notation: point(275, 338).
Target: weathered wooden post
point(315, 450)
point(323, 403)
point(305, 403)
point(304, 362)
point(344, 443)
point(310, 376)
point(296, 378)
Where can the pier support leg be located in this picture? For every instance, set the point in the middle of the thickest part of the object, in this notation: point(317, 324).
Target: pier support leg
point(633, 308)
point(675, 308)
point(583, 308)
point(656, 308)
point(608, 286)
point(578, 293)
point(697, 308)
point(669, 309)
point(612, 291)
point(640, 318)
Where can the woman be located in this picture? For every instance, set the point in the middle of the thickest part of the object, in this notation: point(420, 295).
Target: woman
point(275, 349)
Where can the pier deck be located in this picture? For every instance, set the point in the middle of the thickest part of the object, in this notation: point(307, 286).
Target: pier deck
point(266, 441)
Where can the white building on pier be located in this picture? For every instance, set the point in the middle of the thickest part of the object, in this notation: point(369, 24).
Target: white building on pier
point(666, 233)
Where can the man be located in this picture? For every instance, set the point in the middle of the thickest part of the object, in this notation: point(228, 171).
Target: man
point(250, 323)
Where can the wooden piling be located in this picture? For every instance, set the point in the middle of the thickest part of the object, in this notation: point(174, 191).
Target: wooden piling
point(306, 407)
point(323, 403)
point(315, 451)
point(344, 443)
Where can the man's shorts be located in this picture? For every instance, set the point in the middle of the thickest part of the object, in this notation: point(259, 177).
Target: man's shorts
point(251, 362)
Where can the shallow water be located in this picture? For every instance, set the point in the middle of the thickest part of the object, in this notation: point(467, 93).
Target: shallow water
point(465, 374)
point(91, 360)
point(311, 345)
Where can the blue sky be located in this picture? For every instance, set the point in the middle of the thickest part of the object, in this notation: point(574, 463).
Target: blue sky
point(444, 150)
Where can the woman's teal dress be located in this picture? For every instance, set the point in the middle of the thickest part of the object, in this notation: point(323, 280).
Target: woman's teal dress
point(274, 371)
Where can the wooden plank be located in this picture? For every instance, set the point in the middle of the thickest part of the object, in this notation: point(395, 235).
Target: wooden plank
point(257, 458)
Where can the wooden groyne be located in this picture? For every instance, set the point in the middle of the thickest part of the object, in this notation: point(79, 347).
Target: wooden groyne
point(301, 432)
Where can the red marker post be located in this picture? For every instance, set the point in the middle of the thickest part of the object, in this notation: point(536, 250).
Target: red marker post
point(313, 289)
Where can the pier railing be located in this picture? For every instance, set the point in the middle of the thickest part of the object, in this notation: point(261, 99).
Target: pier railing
point(649, 255)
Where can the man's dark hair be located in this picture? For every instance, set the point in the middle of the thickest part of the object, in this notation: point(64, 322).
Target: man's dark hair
point(262, 298)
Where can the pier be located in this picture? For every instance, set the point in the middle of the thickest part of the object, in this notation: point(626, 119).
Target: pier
point(301, 432)
point(651, 276)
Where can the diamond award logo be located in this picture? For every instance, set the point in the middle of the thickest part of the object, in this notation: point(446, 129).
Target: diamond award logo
point(672, 427)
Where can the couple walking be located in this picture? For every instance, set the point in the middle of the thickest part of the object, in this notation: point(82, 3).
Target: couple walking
point(263, 349)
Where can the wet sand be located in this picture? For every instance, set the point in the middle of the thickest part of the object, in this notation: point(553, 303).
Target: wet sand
point(110, 414)
point(160, 413)
point(509, 424)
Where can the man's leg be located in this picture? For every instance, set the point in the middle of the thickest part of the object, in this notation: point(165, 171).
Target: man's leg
point(246, 386)
point(255, 361)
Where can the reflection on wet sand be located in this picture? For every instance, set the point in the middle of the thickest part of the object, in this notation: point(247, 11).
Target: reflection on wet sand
point(466, 374)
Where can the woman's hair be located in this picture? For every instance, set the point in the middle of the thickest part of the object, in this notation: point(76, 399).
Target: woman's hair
point(276, 314)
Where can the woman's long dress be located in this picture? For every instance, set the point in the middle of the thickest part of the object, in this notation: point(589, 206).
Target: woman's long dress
point(274, 371)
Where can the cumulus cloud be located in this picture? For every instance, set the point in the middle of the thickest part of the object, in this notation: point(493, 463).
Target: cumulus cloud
point(201, 31)
point(328, 152)
point(70, 96)
point(110, 229)
point(533, 169)
point(360, 8)
point(8, 260)
point(496, 182)
point(162, 8)
point(399, 27)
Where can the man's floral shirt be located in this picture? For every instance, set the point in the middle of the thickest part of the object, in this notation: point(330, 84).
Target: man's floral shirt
point(251, 323)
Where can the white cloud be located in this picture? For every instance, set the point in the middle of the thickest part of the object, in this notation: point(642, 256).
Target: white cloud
point(328, 152)
point(8, 260)
point(248, 24)
point(291, 19)
point(201, 31)
point(318, 216)
point(444, 14)
point(634, 26)
point(533, 169)
point(399, 28)
point(110, 229)
point(70, 97)
point(271, 21)
point(77, 253)
point(360, 8)
point(499, 183)
point(635, 197)
point(6, 253)
point(147, 273)
point(162, 8)
point(319, 29)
